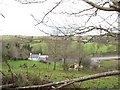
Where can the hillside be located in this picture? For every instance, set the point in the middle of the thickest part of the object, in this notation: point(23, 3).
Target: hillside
point(41, 44)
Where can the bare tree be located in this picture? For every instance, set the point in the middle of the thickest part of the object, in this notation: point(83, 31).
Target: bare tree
point(11, 49)
point(53, 45)
point(59, 50)
point(79, 16)
point(83, 59)
point(64, 51)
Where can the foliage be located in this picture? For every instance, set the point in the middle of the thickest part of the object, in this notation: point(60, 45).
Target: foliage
point(12, 49)
point(109, 65)
point(89, 48)
point(39, 47)
point(41, 74)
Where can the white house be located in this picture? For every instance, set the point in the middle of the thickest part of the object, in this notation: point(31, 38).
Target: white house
point(37, 57)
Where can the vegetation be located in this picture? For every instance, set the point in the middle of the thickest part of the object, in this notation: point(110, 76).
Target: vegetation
point(92, 47)
point(44, 74)
point(14, 49)
point(89, 48)
point(58, 48)
point(73, 24)
point(63, 52)
point(103, 47)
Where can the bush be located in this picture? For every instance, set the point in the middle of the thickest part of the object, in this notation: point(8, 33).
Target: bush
point(85, 62)
point(24, 79)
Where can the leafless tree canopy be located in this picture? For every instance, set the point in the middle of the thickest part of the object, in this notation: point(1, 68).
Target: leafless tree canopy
point(77, 17)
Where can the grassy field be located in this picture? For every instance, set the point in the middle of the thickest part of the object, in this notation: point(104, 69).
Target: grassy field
point(109, 62)
point(45, 72)
point(43, 45)
point(89, 48)
point(93, 47)
point(99, 47)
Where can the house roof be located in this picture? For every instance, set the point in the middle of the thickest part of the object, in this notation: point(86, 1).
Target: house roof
point(84, 40)
point(38, 55)
point(34, 55)
point(44, 56)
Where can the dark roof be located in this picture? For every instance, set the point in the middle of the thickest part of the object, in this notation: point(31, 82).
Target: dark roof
point(84, 40)
point(34, 55)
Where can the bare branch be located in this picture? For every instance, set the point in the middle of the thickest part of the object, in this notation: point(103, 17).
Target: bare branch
point(2, 15)
point(101, 8)
point(76, 12)
point(91, 77)
point(30, 2)
point(49, 12)
point(6, 86)
point(67, 82)
point(2, 73)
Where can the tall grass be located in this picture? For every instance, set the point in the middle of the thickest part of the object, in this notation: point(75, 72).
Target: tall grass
point(42, 74)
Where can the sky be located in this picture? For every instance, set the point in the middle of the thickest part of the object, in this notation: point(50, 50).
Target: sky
point(18, 20)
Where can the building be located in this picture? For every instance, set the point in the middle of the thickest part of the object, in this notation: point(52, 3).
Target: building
point(37, 57)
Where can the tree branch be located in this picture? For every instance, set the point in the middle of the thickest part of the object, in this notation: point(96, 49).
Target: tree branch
point(2, 73)
point(67, 82)
point(49, 12)
point(2, 15)
point(30, 2)
point(101, 8)
point(6, 86)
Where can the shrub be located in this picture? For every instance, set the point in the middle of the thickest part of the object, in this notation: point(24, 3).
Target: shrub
point(85, 62)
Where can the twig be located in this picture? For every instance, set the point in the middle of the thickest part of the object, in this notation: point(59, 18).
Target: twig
point(72, 83)
point(2, 73)
point(5, 86)
point(49, 12)
point(30, 2)
point(100, 7)
point(10, 70)
point(68, 82)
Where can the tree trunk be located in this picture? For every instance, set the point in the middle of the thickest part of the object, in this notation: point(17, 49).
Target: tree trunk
point(65, 67)
point(54, 65)
point(80, 60)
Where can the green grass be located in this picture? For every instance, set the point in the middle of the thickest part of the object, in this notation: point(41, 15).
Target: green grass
point(42, 45)
point(7, 37)
point(98, 47)
point(16, 64)
point(42, 71)
point(89, 48)
point(93, 47)
point(108, 62)
point(104, 82)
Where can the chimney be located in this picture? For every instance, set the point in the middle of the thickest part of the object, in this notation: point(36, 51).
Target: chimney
point(39, 54)
point(30, 54)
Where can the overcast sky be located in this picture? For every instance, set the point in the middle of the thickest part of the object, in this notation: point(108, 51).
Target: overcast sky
point(18, 21)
